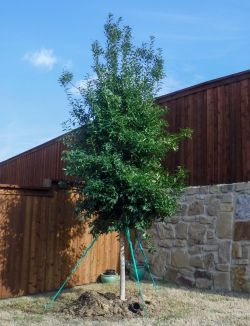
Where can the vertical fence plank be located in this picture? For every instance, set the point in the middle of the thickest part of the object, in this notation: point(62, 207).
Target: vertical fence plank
point(19, 233)
point(245, 126)
point(26, 243)
point(33, 247)
point(3, 242)
point(210, 135)
point(221, 140)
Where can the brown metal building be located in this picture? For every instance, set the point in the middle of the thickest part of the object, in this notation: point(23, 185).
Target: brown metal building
point(34, 167)
point(40, 241)
point(218, 112)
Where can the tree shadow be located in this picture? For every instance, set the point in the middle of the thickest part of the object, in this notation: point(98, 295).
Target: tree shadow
point(41, 242)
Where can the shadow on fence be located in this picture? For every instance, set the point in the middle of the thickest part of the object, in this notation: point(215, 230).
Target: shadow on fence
point(40, 242)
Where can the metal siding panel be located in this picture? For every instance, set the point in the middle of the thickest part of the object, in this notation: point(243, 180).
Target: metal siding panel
point(220, 156)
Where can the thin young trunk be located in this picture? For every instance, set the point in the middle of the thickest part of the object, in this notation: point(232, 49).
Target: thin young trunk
point(122, 267)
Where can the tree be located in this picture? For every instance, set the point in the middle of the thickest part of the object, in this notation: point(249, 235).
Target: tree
point(117, 150)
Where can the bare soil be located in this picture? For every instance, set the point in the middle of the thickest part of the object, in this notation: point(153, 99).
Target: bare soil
point(99, 305)
point(103, 306)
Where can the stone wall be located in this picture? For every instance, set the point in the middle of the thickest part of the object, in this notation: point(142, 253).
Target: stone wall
point(207, 244)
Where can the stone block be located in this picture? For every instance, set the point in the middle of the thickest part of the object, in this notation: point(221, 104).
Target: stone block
point(180, 243)
point(242, 230)
point(213, 206)
point(213, 241)
point(160, 260)
point(206, 219)
point(242, 207)
point(223, 267)
point(170, 231)
point(153, 231)
point(209, 261)
point(189, 218)
point(226, 207)
point(196, 261)
point(227, 188)
point(179, 258)
point(175, 219)
point(195, 250)
point(195, 208)
point(222, 281)
point(242, 186)
point(224, 225)
point(203, 274)
point(239, 279)
point(210, 234)
point(197, 233)
point(181, 230)
point(242, 261)
point(191, 269)
point(186, 281)
point(200, 197)
point(171, 274)
point(186, 273)
point(214, 189)
point(245, 250)
point(236, 250)
point(209, 198)
point(165, 231)
point(210, 247)
point(161, 228)
point(204, 190)
point(203, 283)
point(182, 209)
point(227, 198)
point(224, 253)
point(167, 243)
point(192, 190)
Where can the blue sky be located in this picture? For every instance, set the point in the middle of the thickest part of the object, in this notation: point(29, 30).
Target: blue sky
point(201, 40)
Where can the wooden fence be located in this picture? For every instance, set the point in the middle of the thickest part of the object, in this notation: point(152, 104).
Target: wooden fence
point(40, 242)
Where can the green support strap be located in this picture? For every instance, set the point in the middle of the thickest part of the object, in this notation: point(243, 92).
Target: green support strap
point(48, 305)
point(135, 268)
point(146, 261)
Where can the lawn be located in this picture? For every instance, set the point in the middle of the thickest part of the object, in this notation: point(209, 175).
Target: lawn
point(178, 306)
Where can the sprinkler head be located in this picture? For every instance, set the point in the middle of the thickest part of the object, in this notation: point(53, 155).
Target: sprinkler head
point(135, 307)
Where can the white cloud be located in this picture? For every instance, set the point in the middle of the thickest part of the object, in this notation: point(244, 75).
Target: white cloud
point(43, 58)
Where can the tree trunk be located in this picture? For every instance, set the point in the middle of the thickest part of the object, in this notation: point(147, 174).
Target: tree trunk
point(122, 267)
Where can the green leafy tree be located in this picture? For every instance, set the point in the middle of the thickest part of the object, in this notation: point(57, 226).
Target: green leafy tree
point(120, 140)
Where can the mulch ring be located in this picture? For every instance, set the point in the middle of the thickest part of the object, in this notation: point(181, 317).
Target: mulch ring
point(96, 305)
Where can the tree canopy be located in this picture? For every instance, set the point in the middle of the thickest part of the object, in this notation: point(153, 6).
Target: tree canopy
point(121, 138)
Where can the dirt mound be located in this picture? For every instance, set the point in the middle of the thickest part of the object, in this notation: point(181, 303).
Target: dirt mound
point(96, 305)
